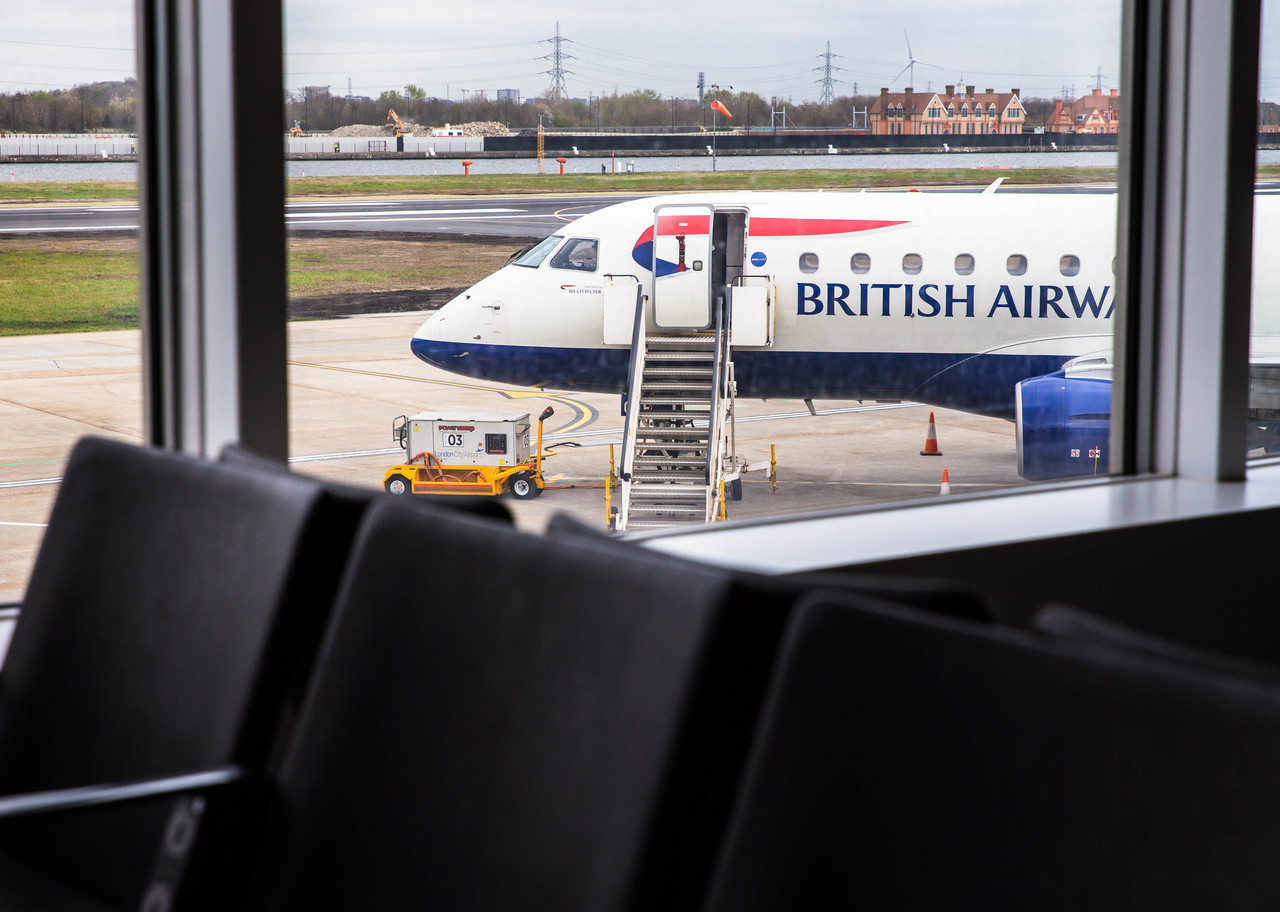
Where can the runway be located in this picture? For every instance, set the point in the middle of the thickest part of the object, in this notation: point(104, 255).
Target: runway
point(348, 379)
point(521, 216)
point(491, 216)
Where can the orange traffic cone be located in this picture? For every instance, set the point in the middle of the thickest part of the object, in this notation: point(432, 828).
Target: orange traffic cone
point(946, 484)
point(931, 440)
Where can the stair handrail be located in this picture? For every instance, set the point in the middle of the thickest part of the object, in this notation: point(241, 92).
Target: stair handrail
point(635, 374)
point(715, 427)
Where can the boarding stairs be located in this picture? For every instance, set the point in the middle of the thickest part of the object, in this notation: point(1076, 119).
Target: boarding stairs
point(678, 447)
point(679, 401)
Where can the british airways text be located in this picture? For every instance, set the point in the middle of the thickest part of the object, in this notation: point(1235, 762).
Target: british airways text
point(907, 300)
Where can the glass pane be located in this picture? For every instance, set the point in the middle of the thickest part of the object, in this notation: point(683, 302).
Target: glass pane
point(70, 361)
point(871, 310)
point(1264, 348)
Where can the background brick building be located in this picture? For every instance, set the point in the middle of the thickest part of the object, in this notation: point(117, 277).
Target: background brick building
point(955, 113)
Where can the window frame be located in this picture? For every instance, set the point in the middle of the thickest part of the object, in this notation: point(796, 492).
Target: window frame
point(1190, 69)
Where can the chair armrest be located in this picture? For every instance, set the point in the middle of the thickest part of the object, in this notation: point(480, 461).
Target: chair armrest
point(12, 806)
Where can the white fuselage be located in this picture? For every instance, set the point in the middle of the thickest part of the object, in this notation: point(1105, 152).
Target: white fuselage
point(945, 298)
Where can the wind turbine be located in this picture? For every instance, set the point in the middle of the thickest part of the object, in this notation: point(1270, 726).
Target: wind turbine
point(911, 62)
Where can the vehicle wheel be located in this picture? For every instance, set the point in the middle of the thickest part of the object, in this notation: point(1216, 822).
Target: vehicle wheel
point(523, 487)
point(735, 489)
point(398, 484)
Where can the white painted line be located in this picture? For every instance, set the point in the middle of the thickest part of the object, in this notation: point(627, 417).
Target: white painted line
point(402, 212)
point(379, 219)
point(30, 525)
point(70, 228)
point(355, 454)
point(63, 210)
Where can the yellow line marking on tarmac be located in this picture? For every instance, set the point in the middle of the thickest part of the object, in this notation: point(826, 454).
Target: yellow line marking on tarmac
point(557, 214)
point(586, 414)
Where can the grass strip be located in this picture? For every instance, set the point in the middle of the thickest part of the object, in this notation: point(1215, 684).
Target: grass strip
point(67, 290)
point(480, 184)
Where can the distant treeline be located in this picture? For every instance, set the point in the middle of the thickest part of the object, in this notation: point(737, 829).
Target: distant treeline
point(99, 106)
point(316, 109)
point(111, 106)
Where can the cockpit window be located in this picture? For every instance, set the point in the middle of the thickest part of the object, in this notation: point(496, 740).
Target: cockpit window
point(577, 253)
point(534, 256)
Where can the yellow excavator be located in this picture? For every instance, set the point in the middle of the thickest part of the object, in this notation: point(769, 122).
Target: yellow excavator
point(401, 130)
point(393, 117)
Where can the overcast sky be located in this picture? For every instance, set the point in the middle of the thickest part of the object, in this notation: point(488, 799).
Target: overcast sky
point(772, 48)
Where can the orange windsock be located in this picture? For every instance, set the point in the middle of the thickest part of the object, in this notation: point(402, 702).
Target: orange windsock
point(717, 106)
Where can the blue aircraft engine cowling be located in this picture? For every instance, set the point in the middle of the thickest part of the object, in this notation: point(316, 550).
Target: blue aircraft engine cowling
point(1063, 425)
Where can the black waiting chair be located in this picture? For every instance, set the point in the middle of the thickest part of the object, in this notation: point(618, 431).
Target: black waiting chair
point(169, 625)
point(941, 596)
point(910, 761)
point(502, 720)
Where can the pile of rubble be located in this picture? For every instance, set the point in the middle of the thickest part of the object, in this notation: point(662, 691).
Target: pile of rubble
point(366, 130)
point(484, 128)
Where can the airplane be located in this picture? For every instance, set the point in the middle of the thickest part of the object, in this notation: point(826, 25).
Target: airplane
point(999, 304)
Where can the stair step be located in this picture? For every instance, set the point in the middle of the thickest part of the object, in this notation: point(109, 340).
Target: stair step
point(650, 510)
point(669, 491)
point(672, 461)
point(706, 339)
point(691, 373)
point(672, 433)
point(699, 463)
point(641, 525)
point(661, 442)
point(654, 478)
point(661, 472)
point(670, 400)
point(656, 449)
point(682, 355)
point(658, 386)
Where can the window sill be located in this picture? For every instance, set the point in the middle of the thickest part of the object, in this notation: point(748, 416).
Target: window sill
point(942, 525)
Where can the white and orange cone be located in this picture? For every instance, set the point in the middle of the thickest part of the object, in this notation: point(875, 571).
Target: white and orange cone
point(946, 484)
point(931, 440)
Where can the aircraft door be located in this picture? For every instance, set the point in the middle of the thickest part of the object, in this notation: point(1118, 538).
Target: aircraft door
point(619, 297)
point(682, 274)
point(753, 308)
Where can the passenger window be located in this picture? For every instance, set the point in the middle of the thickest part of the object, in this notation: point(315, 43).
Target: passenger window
point(1069, 265)
point(912, 263)
point(1016, 264)
point(861, 263)
point(577, 253)
point(808, 262)
point(964, 264)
